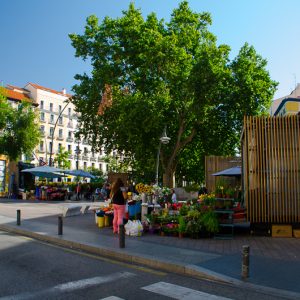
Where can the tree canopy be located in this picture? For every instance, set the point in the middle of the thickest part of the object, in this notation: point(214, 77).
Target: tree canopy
point(19, 131)
point(160, 74)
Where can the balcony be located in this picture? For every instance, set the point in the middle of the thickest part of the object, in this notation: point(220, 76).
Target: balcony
point(70, 125)
point(100, 159)
point(41, 150)
point(70, 139)
point(93, 158)
point(42, 133)
point(60, 138)
point(51, 122)
point(85, 157)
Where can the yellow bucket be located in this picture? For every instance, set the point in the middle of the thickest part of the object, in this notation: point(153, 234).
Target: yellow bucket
point(106, 221)
point(100, 222)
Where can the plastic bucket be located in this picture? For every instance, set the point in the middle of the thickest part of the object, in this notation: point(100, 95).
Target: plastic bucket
point(100, 222)
point(106, 221)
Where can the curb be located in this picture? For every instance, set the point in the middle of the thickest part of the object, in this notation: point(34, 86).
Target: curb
point(181, 269)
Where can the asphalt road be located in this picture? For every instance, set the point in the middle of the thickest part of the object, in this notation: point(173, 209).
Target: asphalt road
point(33, 270)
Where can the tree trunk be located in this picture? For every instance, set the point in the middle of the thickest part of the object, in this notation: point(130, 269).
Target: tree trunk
point(168, 177)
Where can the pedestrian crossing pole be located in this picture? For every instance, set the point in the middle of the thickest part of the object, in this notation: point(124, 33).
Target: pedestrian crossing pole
point(122, 236)
point(245, 262)
point(18, 217)
point(60, 225)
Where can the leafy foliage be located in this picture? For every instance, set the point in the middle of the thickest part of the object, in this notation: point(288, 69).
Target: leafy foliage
point(62, 158)
point(166, 74)
point(19, 133)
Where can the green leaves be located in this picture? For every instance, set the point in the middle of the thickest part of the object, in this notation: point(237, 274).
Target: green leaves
point(166, 74)
point(19, 132)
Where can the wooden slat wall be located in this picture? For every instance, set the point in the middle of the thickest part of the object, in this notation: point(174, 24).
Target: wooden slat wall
point(271, 169)
point(214, 164)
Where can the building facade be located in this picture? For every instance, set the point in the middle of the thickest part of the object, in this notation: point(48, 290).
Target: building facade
point(58, 125)
point(287, 105)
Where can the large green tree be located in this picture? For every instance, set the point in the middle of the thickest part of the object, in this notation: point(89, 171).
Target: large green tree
point(19, 131)
point(166, 74)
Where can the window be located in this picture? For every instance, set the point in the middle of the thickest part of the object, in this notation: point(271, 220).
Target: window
point(42, 104)
point(50, 147)
point(51, 106)
point(107, 168)
point(42, 129)
point(84, 165)
point(93, 165)
point(85, 150)
point(70, 134)
point(42, 116)
point(52, 119)
point(59, 108)
point(51, 131)
point(70, 148)
point(100, 167)
point(60, 133)
point(41, 146)
point(69, 112)
point(59, 147)
point(60, 120)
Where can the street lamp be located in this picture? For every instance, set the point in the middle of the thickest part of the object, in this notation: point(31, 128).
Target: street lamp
point(77, 151)
point(52, 135)
point(164, 139)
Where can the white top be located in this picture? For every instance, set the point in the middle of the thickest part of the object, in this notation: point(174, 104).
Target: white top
point(174, 198)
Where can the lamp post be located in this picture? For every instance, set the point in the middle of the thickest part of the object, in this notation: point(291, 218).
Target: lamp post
point(77, 151)
point(52, 135)
point(164, 139)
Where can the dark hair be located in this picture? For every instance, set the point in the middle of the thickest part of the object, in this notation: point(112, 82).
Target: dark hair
point(117, 185)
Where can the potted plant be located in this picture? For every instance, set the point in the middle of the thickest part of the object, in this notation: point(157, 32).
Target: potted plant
point(181, 226)
point(210, 221)
point(193, 225)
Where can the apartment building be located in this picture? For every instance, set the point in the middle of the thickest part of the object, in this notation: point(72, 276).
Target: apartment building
point(58, 125)
point(287, 105)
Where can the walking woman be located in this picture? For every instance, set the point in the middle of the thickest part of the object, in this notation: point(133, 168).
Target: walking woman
point(118, 195)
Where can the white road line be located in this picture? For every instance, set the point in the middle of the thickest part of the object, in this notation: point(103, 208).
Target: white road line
point(111, 298)
point(179, 292)
point(70, 286)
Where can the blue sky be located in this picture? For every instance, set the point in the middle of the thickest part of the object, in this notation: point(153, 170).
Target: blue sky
point(35, 46)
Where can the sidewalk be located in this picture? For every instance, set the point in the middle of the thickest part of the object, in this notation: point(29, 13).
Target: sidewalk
point(274, 262)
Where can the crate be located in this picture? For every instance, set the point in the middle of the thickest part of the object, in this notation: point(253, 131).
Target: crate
point(282, 231)
point(296, 233)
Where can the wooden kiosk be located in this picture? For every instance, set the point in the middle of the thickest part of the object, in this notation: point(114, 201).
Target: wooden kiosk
point(271, 172)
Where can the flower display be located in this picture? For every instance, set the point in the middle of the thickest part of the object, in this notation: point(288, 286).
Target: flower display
point(143, 188)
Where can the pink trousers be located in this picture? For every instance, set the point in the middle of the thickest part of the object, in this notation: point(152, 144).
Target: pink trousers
point(119, 211)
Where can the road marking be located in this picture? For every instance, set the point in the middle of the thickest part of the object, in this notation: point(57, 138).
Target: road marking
point(111, 298)
point(70, 286)
point(179, 292)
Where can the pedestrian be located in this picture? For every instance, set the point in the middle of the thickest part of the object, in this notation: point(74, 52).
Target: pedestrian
point(103, 193)
point(118, 196)
point(174, 197)
point(107, 189)
point(78, 191)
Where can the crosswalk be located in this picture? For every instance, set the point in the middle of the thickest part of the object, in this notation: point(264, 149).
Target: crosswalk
point(175, 292)
point(166, 289)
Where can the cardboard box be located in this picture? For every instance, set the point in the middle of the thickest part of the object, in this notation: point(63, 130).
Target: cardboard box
point(282, 231)
point(296, 233)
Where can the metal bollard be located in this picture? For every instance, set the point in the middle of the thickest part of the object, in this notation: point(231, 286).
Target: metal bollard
point(18, 217)
point(60, 225)
point(245, 262)
point(121, 236)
